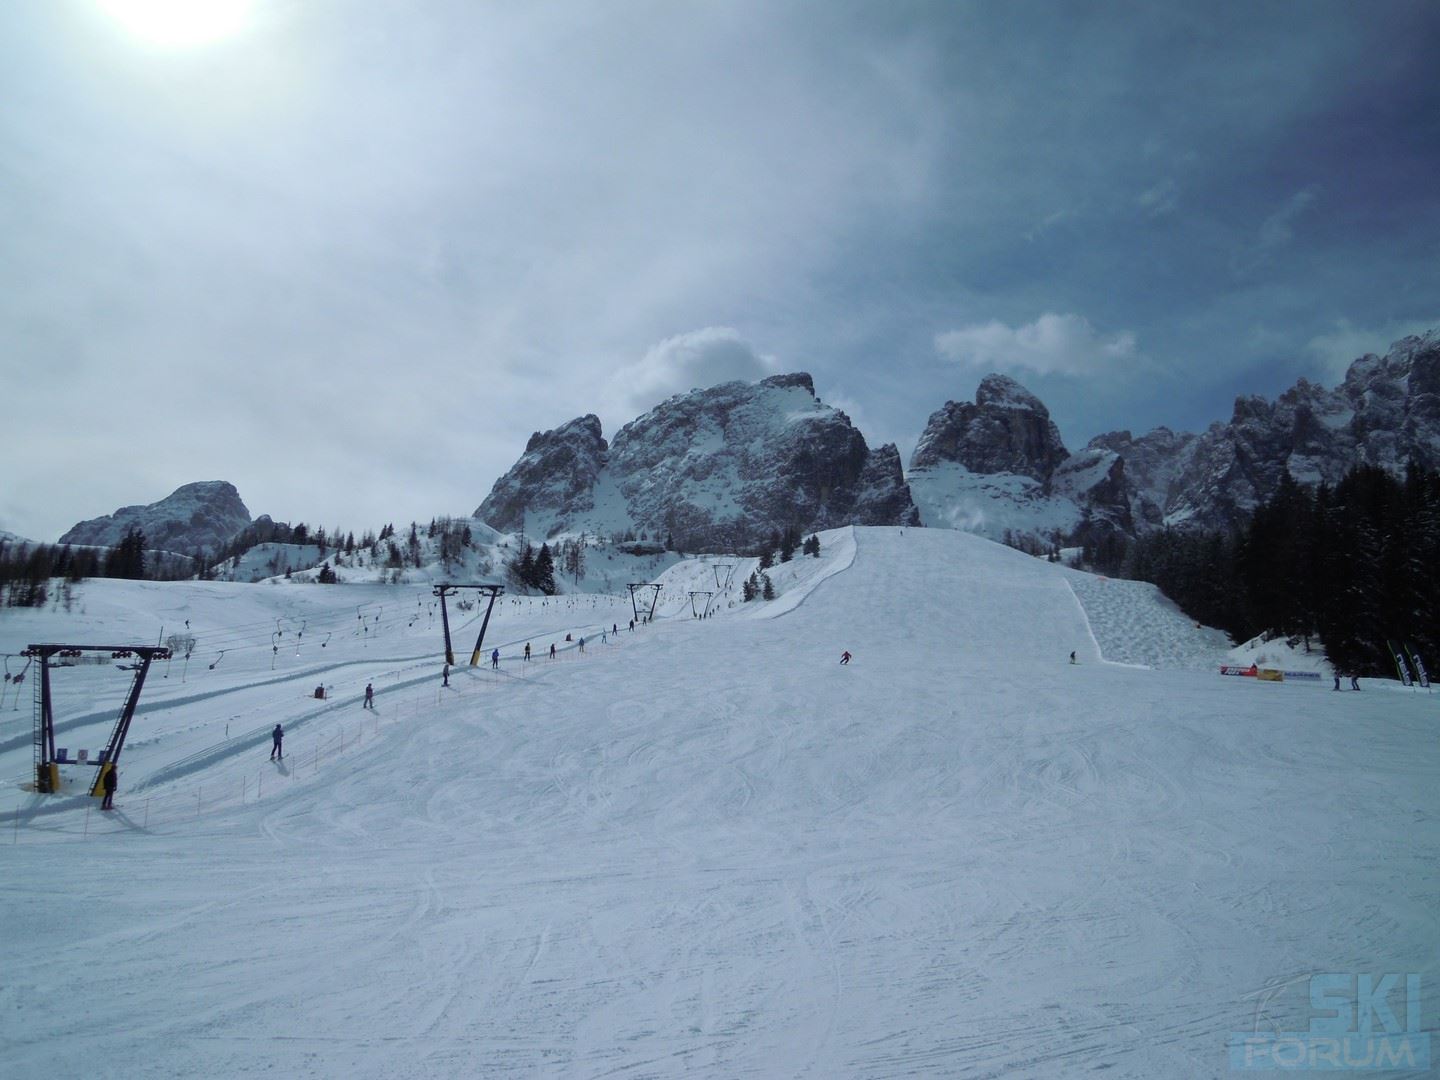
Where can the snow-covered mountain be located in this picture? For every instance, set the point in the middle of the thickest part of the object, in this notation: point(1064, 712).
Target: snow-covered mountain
point(712, 469)
point(202, 515)
point(998, 465)
point(1386, 412)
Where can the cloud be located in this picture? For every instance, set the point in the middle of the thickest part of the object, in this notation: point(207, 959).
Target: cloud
point(715, 354)
point(1160, 199)
point(1279, 228)
point(1334, 351)
point(1276, 232)
point(1051, 345)
point(1045, 224)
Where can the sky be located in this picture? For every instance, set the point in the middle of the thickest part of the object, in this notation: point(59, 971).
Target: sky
point(349, 254)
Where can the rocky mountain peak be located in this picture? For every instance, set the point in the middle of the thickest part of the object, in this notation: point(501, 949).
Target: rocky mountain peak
point(799, 379)
point(1006, 430)
point(203, 515)
point(1003, 392)
point(582, 431)
point(712, 468)
point(555, 475)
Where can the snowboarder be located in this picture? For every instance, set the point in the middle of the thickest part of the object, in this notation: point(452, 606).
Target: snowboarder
point(527, 652)
point(112, 779)
point(369, 697)
point(552, 650)
point(276, 735)
point(494, 659)
point(845, 657)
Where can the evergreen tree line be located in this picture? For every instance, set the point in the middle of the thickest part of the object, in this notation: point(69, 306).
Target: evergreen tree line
point(26, 570)
point(1353, 565)
point(780, 547)
point(266, 531)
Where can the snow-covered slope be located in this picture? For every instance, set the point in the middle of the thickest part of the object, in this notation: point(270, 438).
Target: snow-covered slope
point(702, 847)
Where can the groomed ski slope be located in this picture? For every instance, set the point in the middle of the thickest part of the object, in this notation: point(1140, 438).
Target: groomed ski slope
point(706, 848)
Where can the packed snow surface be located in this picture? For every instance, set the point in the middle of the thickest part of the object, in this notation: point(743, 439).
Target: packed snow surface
point(701, 847)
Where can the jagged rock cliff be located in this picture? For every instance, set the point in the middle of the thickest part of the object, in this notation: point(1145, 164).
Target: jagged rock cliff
point(1006, 430)
point(553, 480)
point(713, 468)
point(998, 465)
point(1386, 412)
point(203, 515)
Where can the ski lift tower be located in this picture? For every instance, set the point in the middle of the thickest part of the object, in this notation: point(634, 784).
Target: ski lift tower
point(443, 591)
point(644, 611)
point(47, 762)
point(705, 607)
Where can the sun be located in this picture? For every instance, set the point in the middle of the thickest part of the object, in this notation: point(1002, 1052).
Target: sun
point(178, 23)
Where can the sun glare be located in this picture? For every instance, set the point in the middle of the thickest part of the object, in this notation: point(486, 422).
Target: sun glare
point(178, 23)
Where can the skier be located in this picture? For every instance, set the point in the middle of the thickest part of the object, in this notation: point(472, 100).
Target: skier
point(581, 643)
point(602, 637)
point(1072, 656)
point(276, 736)
point(614, 628)
point(494, 659)
point(1354, 682)
point(845, 657)
point(552, 650)
point(632, 626)
point(1337, 680)
point(369, 697)
point(527, 652)
point(445, 674)
point(112, 779)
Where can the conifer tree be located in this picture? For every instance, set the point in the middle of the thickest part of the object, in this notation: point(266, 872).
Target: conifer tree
point(544, 571)
point(788, 543)
point(750, 587)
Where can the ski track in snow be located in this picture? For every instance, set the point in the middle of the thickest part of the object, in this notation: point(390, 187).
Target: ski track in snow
point(706, 848)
